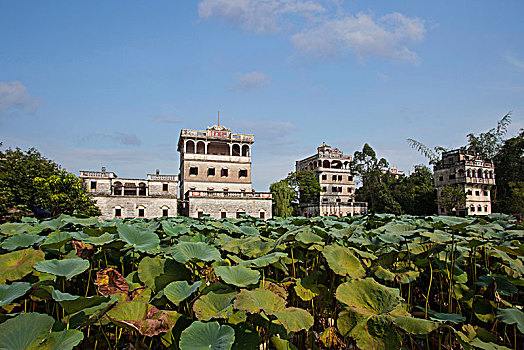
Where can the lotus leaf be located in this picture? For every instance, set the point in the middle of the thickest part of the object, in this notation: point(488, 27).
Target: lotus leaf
point(64, 340)
point(185, 251)
point(174, 230)
point(59, 296)
point(106, 238)
point(179, 290)
point(512, 316)
point(249, 231)
point(444, 317)
point(8, 293)
point(208, 336)
point(21, 240)
point(295, 319)
point(306, 291)
point(17, 264)
point(343, 262)
point(157, 273)
point(141, 238)
point(260, 261)
point(25, 331)
point(68, 267)
point(145, 318)
point(239, 276)
point(308, 237)
point(14, 228)
point(246, 338)
point(282, 344)
point(72, 306)
point(56, 239)
point(110, 281)
point(415, 325)
point(214, 305)
point(258, 299)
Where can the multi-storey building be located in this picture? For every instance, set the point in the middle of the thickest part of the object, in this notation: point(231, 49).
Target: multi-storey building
point(474, 175)
point(337, 184)
point(117, 197)
point(215, 175)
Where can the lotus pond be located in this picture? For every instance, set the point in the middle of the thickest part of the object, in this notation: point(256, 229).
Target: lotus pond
point(370, 282)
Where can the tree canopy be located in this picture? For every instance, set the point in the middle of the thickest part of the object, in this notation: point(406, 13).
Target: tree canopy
point(282, 197)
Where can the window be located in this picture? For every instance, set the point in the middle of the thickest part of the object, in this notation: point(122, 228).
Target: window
point(324, 189)
point(441, 178)
point(240, 213)
point(242, 190)
point(339, 177)
point(210, 189)
point(242, 173)
point(165, 187)
point(338, 200)
point(165, 212)
point(118, 212)
point(93, 185)
point(324, 199)
point(486, 193)
point(324, 177)
point(224, 172)
point(140, 212)
point(210, 171)
point(349, 189)
point(200, 213)
point(226, 191)
point(470, 192)
point(223, 214)
point(479, 208)
point(193, 170)
point(262, 215)
point(192, 188)
point(350, 178)
point(441, 210)
point(477, 193)
point(452, 176)
point(485, 208)
point(472, 209)
point(334, 177)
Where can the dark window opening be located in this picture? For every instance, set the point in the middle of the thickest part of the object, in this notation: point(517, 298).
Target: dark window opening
point(118, 212)
point(240, 213)
point(441, 178)
point(350, 178)
point(210, 171)
point(200, 213)
point(485, 208)
point(140, 213)
point(224, 172)
point(242, 173)
point(470, 192)
point(165, 212)
point(485, 193)
point(93, 185)
point(324, 177)
point(223, 215)
point(324, 189)
point(165, 187)
point(452, 176)
point(324, 199)
point(338, 200)
point(334, 178)
point(477, 193)
point(193, 170)
point(262, 215)
point(339, 177)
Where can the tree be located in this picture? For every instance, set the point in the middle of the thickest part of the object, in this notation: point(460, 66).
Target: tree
point(488, 144)
point(416, 193)
point(305, 185)
point(18, 188)
point(282, 197)
point(452, 197)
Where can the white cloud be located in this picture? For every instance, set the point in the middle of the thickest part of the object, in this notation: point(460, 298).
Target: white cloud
point(251, 81)
point(169, 119)
point(117, 137)
point(260, 16)
point(514, 61)
point(386, 36)
point(14, 97)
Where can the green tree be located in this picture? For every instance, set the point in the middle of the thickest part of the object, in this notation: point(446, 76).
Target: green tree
point(509, 176)
point(282, 197)
point(487, 144)
point(452, 197)
point(18, 188)
point(305, 185)
point(416, 193)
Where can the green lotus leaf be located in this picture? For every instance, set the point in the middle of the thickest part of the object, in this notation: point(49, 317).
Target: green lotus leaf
point(375, 332)
point(512, 316)
point(64, 340)
point(105, 238)
point(157, 273)
point(258, 299)
point(237, 317)
point(68, 267)
point(8, 293)
point(306, 291)
point(141, 238)
point(21, 240)
point(180, 290)
point(214, 305)
point(295, 319)
point(208, 336)
point(72, 306)
point(308, 237)
point(343, 261)
point(59, 296)
point(239, 276)
point(252, 246)
point(25, 331)
point(14, 228)
point(248, 230)
point(56, 239)
point(143, 317)
point(17, 264)
point(246, 338)
point(384, 274)
point(185, 251)
point(282, 344)
point(437, 236)
point(366, 296)
point(444, 317)
point(415, 325)
point(174, 230)
point(260, 261)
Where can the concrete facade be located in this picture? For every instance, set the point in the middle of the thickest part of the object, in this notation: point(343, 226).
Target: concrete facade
point(215, 174)
point(155, 196)
point(474, 175)
point(337, 184)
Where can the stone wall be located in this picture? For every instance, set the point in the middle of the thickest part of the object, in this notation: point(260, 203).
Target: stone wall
point(231, 206)
point(130, 205)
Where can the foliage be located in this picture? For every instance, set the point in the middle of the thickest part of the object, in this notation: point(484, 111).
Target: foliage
point(305, 185)
point(452, 198)
point(28, 179)
point(415, 193)
point(373, 282)
point(487, 144)
point(282, 196)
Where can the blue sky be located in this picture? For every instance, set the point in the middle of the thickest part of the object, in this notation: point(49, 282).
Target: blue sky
point(111, 83)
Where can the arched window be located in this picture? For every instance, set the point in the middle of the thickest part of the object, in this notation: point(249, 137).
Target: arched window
point(190, 146)
point(336, 164)
point(141, 211)
point(118, 212)
point(117, 188)
point(325, 164)
point(473, 173)
point(236, 150)
point(201, 147)
point(129, 189)
point(165, 211)
point(468, 173)
point(479, 173)
point(142, 189)
point(245, 151)
point(310, 166)
point(479, 208)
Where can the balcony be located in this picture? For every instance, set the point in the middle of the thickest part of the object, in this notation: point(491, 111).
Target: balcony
point(223, 194)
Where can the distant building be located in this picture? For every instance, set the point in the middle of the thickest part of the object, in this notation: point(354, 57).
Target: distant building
point(337, 184)
point(215, 175)
point(395, 172)
point(117, 197)
point(470, 172)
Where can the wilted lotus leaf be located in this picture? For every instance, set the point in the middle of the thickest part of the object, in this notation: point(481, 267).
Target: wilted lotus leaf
point(258, 299)
point(56, 239)
point(64, 340)
point(214, 305)
point(239, 276)
point(173, 230)
point(110, 281)
point(68, 267)
point(207, 336)
point(278, 289)
point(141, 238)
point(157, 273)
point(330, 338)
point(343, 262)
point(180, 290)
point(25, 331)
point(185, 251)
point(8, 293)
point(145, 318)
point(82, 250)
point(17, 264)
point(295, 319)
point(21, 240)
